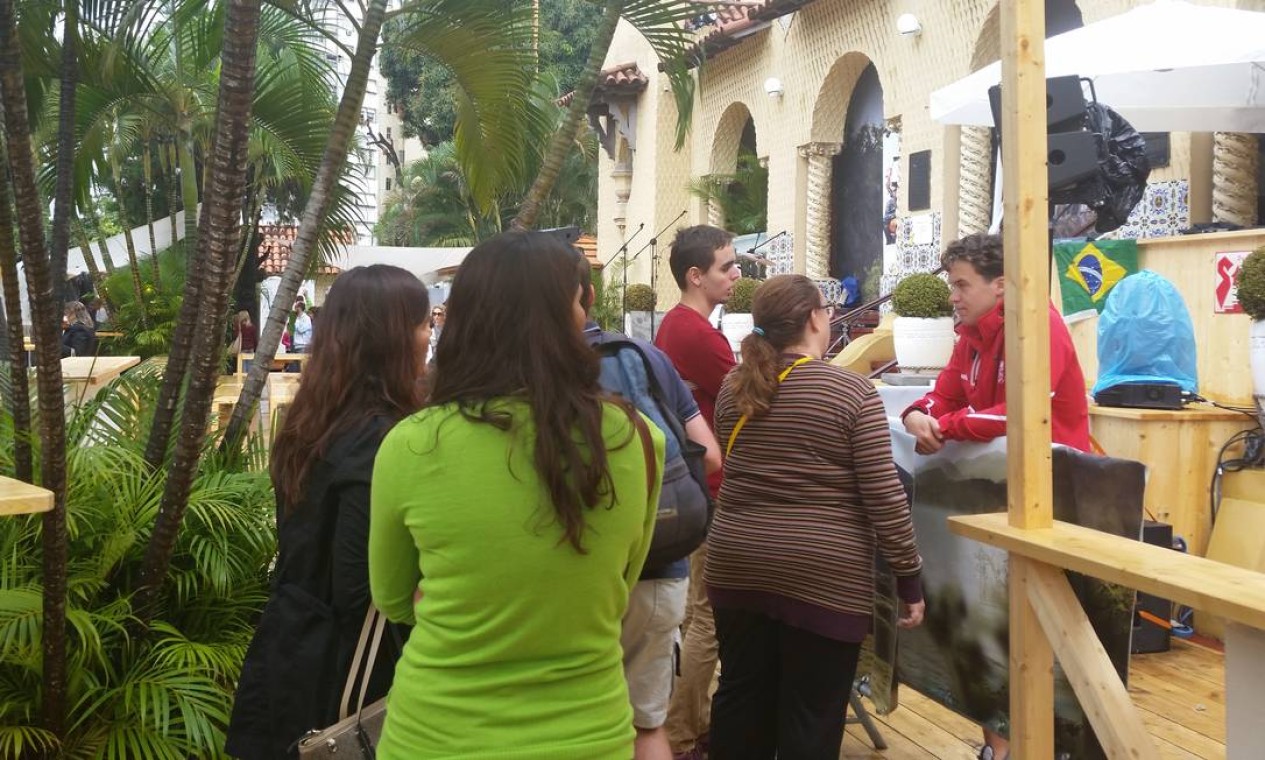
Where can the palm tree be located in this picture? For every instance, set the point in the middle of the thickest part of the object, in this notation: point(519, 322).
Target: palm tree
point(660, 21)
point(488, 49)
point(45, 319)
point(19, 393)
point(290, 121)
point(218, 242)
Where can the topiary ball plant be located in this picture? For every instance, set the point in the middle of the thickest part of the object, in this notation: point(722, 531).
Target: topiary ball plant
point(922, 295)
point(742, 295)
point(639, 297)
point(1251, 283)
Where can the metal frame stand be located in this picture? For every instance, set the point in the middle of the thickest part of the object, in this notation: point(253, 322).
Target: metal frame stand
point(863, 717)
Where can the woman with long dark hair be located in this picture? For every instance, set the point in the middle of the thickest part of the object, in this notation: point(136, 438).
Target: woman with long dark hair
point(810, 490)
point(365, 374)
point(520, 504)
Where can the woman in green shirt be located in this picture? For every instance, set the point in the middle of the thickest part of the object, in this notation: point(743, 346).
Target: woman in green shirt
point(509, 520)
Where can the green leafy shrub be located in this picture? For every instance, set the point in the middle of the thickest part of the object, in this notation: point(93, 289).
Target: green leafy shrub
point(921, 295)
point(167, 693)
point(150, 336)
point(639, 297)
point(1251, 282)
point(742, 295)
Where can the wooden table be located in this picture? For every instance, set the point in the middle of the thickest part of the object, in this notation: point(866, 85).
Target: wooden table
point(278, 362)
point(274, 402)
point(85, 376)
point(21, 498)
point(1179, 448)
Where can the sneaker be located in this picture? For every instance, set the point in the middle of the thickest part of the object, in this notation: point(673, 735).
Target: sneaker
point(985, 753)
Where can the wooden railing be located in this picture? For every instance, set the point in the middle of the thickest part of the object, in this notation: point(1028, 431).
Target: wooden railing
point(1045, 618)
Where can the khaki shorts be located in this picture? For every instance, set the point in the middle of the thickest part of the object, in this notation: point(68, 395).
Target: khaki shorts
point(656, 610)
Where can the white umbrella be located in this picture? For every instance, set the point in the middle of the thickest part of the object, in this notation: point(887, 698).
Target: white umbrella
point(1167, 66)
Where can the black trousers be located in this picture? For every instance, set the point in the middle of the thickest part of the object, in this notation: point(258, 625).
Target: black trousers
point(783, 690)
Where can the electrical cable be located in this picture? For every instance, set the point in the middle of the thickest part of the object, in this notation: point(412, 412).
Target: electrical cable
point(1253, 455)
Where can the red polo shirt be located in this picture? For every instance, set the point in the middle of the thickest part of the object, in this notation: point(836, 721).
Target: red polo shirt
point(702, 356)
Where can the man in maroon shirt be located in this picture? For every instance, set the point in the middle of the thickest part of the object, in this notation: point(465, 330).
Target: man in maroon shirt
point(704, 266)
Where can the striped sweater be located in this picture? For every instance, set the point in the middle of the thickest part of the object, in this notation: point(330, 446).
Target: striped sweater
point(810, 490)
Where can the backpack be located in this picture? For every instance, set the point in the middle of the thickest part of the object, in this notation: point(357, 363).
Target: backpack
point(685, 505)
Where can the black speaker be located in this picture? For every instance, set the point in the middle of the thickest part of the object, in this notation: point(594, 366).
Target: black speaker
point(1064, 104)
point(1149, 636)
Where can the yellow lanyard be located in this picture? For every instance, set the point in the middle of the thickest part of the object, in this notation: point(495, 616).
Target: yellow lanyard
point(742, 421)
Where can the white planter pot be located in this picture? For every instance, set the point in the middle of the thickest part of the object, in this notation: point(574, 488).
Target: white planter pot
point(923, 345)
point(1256, 355)
point(637, 324)
point(736, 327)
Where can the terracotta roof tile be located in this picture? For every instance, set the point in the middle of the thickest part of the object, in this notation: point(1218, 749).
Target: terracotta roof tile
point(588, 245)
point(275, 242)
point(727, 27)
point(624, 79)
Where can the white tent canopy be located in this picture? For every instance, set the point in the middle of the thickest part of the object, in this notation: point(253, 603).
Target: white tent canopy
point(1167, 66)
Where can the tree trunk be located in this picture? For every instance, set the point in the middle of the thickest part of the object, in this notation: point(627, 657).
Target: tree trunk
point(147, 165)
point(169, 157)
point(45, 318)
point(101, 241)
point(90, 259)
point(563, 139)
point(63, 206)
point(138, 289)
point(21, 393)
point(182, 337)
point(314, 212)
point(218, 244)
point(188, 188)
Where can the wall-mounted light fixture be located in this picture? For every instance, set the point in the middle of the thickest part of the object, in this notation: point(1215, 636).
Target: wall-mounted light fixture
point(908, 25)
point(773, 87)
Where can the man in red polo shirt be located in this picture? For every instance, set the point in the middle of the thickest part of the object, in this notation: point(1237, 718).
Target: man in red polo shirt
point(704, 266)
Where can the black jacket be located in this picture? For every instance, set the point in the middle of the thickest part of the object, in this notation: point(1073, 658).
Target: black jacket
point(78, 340)
point(295, 669)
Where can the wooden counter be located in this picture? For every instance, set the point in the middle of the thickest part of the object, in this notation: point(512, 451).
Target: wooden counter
point(20, 498)
point(85, 376)
point(1179, 449)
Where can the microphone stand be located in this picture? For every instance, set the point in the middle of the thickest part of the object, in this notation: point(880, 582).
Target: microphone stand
point(623, 293)
point(760, 260)
point(654, 241)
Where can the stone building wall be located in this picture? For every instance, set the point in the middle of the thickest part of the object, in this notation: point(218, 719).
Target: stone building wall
point(818, 54)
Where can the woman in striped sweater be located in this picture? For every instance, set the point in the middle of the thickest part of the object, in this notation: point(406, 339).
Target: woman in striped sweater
point(810, 490)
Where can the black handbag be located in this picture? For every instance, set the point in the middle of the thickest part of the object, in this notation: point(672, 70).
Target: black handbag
point(354, 736)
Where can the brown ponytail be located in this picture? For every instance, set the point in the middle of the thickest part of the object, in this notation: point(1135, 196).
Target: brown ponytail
point(781, 309)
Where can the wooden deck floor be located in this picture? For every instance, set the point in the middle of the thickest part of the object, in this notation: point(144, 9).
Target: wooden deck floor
point(1181, 694)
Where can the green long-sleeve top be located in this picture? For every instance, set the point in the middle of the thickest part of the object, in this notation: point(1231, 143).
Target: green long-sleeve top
point(515, 648)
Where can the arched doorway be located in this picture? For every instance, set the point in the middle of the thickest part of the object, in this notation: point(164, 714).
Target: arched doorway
point(857, 185)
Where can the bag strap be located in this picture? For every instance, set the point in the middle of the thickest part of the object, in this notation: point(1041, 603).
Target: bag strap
point(742, 421)
point(375, 624)
point(647, 447)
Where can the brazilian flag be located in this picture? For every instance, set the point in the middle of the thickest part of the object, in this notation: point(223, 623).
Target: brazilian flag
point(1089, 270)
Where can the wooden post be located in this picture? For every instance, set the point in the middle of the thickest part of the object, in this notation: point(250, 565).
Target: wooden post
point(1117, 723)
point(1030, 494)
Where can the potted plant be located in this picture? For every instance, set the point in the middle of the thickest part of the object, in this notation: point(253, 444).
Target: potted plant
point(639, 300)
point(923, 330)
point(738, 322)
point(1251, 294)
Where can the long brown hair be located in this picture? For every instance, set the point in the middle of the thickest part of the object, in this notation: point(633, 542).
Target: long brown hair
point(781, 309)
point(364, 363)
point(511, 332)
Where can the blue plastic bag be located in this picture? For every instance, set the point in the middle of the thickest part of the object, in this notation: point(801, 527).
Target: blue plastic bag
point(1145, 335)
